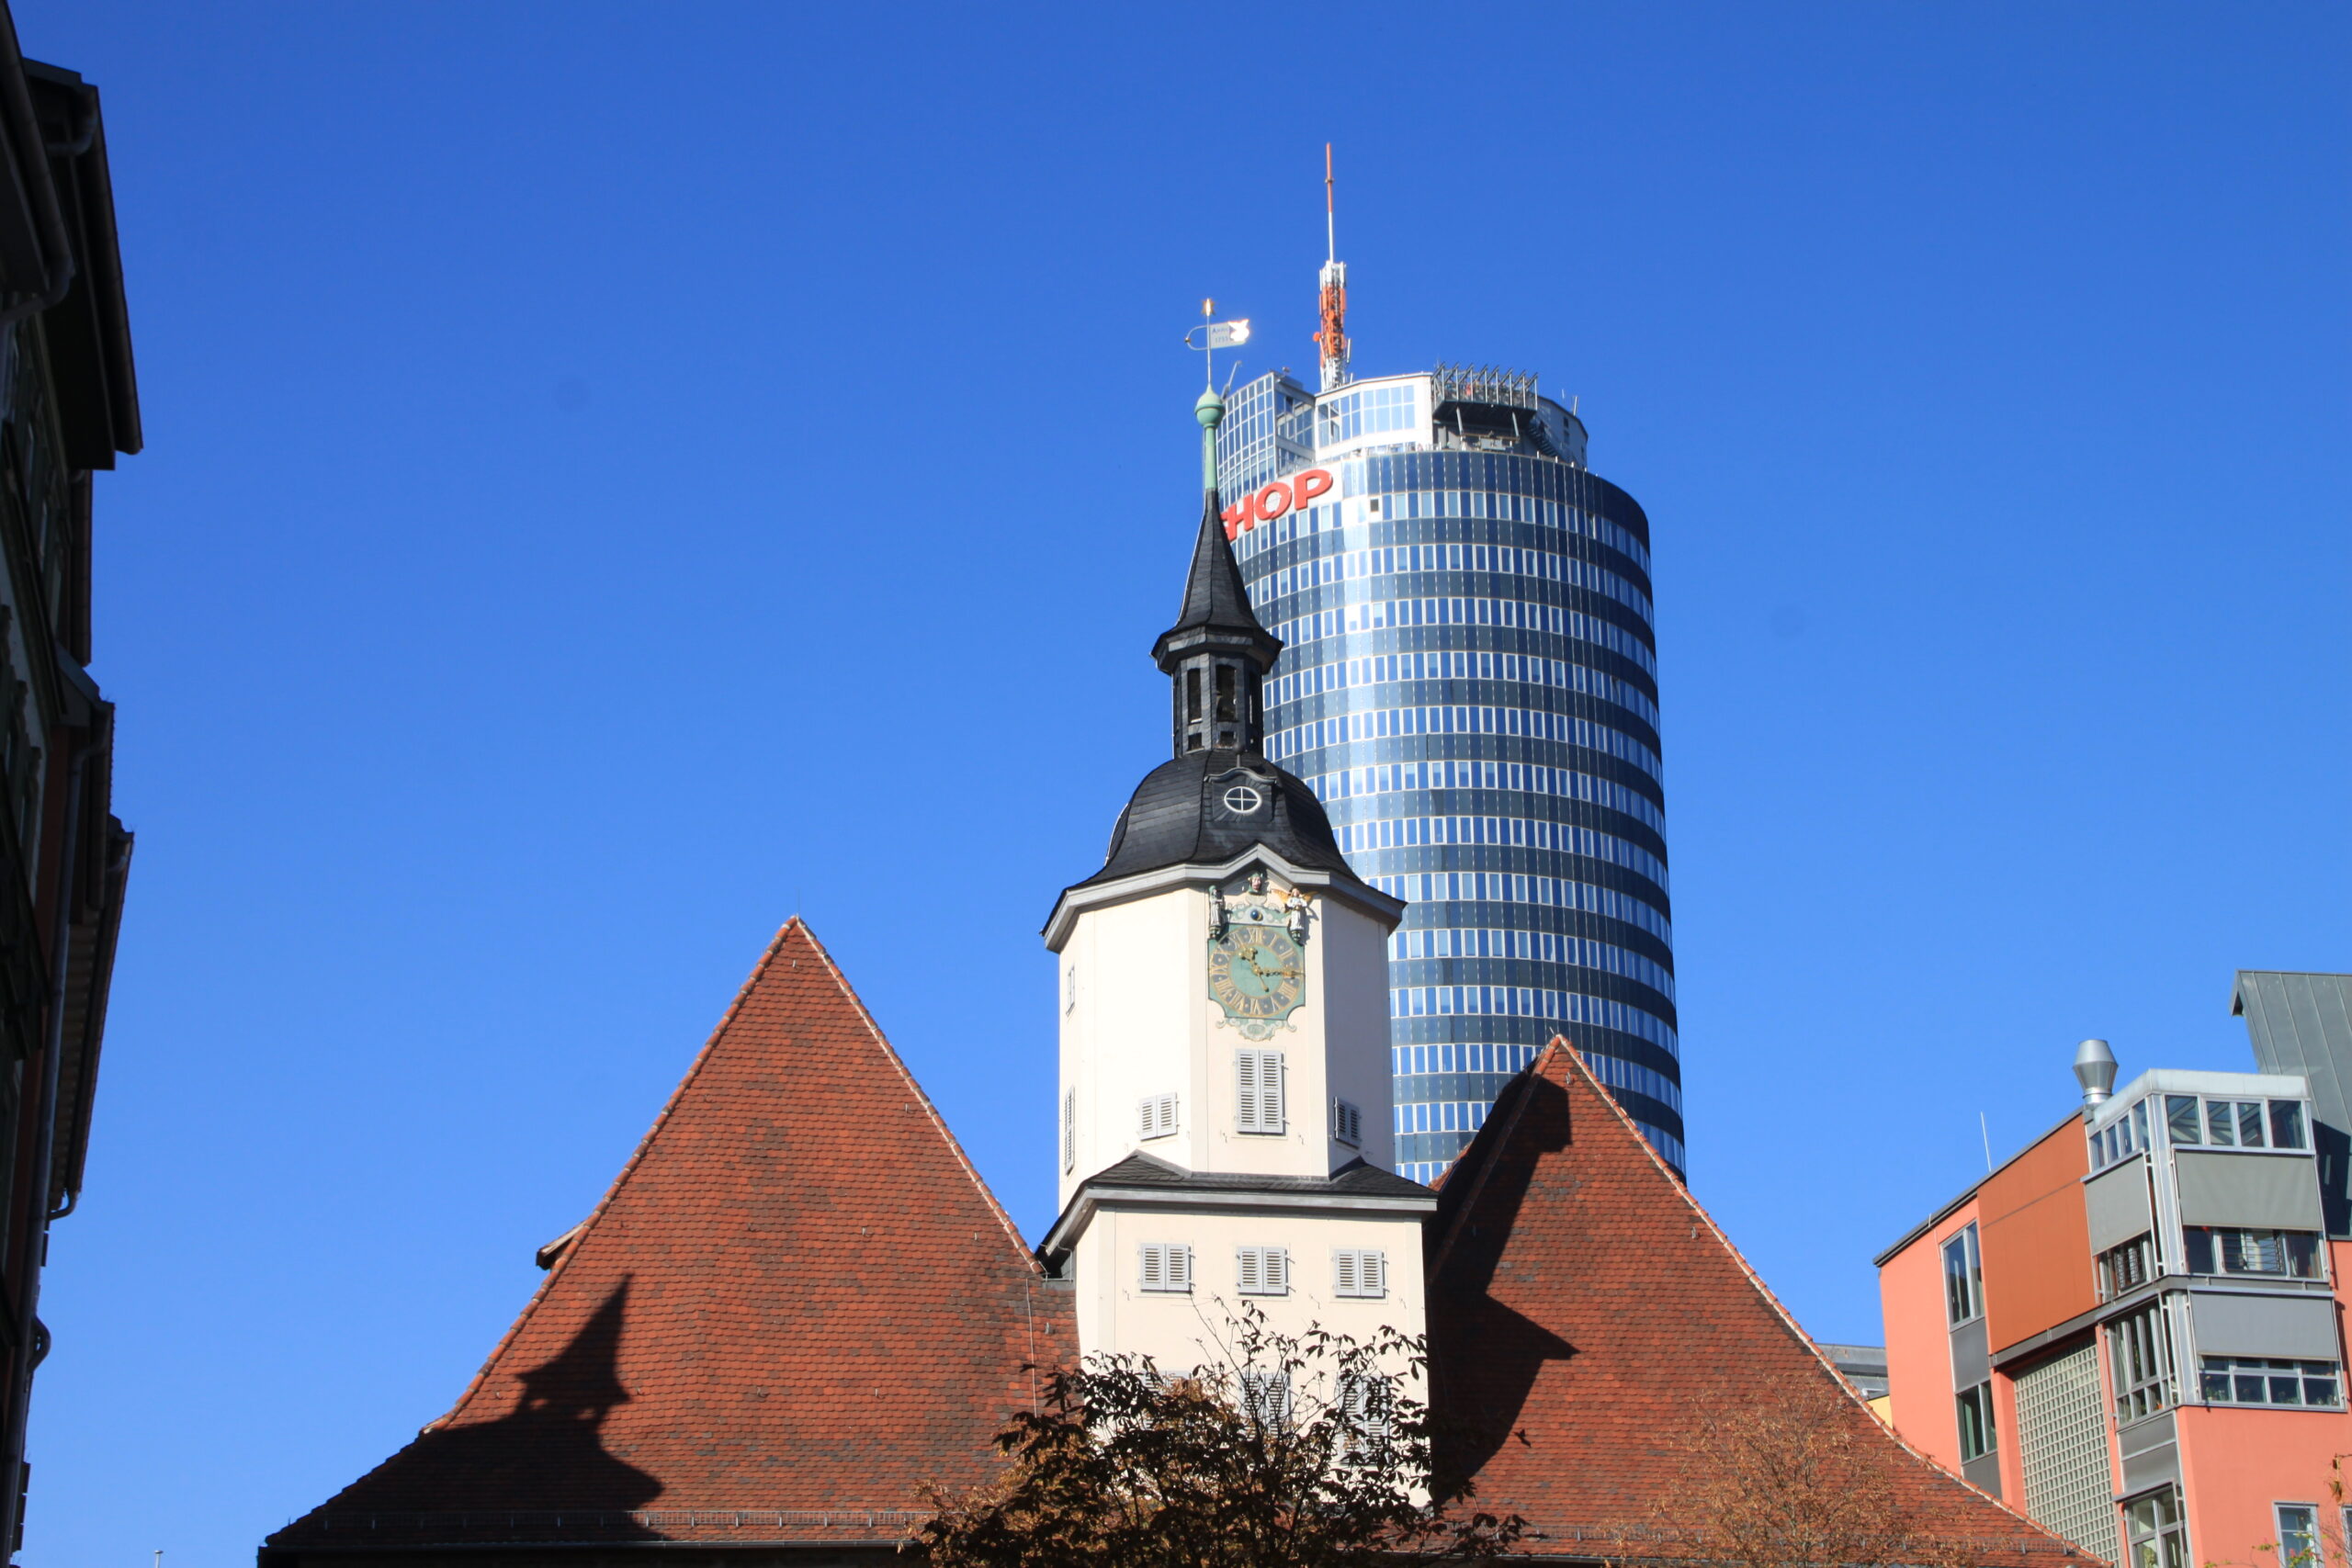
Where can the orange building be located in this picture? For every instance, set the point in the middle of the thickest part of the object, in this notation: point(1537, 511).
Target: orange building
point(2132, 1329)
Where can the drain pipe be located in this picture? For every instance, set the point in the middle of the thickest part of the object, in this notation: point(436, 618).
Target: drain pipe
point(34, 1346)
point(25, 130)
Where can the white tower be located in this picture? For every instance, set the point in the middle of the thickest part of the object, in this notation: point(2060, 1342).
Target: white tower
point(1225, 1132)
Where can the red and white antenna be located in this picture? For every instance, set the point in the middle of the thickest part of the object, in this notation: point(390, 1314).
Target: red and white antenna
point(1332, 334)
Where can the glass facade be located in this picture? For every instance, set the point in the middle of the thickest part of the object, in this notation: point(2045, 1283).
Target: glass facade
point(1469, 683)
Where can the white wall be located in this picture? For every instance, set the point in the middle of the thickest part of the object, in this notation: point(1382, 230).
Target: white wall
point(1180, 1332)
point(1136, 1020)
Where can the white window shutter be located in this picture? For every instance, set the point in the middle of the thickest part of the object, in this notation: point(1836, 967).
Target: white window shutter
point(1179, 1267)
point(1069, 1130)
point(1359, 1271)
point(1270, 1090)
point(1277, 1271)
point(1250, 1269)
point(1155, 1266)
point(1245, 1089)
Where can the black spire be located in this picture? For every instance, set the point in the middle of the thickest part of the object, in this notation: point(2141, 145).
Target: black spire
point(1217, 652)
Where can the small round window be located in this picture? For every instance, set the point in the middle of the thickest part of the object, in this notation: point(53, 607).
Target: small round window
point(1241, 800)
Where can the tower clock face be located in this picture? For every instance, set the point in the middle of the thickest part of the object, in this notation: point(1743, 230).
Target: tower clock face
point(1258, 975)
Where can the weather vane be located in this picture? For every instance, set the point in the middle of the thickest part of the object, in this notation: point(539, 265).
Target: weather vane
point(1215, 334)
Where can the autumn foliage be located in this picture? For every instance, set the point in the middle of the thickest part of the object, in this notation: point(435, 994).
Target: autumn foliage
point(1285, 1453)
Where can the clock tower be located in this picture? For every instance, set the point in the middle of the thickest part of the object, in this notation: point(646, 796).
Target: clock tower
point(1224, 1128)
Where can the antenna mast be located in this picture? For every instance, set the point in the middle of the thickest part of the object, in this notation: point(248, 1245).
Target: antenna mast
point(1332, 335)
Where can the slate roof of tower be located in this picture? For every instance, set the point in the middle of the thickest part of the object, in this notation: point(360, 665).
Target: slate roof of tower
point(1582, 1305)
point(1177, 816)
point(797, 1304)
point(1215, 597)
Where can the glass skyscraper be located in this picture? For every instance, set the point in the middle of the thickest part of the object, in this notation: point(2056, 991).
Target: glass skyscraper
point(1470, 685)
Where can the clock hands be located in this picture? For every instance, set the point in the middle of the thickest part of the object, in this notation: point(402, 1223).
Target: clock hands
point(1264, 973)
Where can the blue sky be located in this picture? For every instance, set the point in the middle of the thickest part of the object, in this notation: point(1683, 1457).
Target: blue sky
point(618, 475)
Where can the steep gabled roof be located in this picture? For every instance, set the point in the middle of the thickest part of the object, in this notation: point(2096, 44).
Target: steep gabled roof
point(1581, 1306)
point(796, 1304)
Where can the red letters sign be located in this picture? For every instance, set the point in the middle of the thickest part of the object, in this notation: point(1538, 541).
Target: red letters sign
point(1270, 501)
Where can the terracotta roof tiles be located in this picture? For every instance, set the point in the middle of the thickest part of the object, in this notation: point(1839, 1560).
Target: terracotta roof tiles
point(1582, 1304)
point(797, 1304)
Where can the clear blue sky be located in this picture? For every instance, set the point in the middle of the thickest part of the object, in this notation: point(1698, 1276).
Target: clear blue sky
point(619, 474)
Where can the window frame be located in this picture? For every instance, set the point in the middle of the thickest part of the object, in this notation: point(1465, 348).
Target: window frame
point(2145, 1337)
point(1261, 1107)
point(2165, 1540)
point(2218, 1243)
point(1359, 1273)
point(2114, 1280)
point(2267, 1371)
point(1969, 1277)
point(1982, 1436)
point(1261, 1271)
point(1266, 1396)
point(2310, 1555)
point(1159, 1116)
point(1174, 1271)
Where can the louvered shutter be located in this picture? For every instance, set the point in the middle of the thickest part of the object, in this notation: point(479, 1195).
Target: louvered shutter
point(1245, 1090)
point(1270, 1091)
point(1277, 1271)
point(1179, 1267)
point(1155, 1266)
point(1249, 1267)
point(1359, 1271)
point(1265, 1395)
point(1069, 1130)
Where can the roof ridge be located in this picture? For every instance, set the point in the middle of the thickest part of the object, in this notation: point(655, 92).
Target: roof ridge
point(1558, 1046)
point(581, 1231)
point(914, 1086)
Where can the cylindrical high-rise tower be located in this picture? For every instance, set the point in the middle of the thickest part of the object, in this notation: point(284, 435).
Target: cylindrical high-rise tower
point(1470, 687)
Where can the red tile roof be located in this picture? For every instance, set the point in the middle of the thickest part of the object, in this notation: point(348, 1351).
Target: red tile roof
point(796, 1304)
point(1581, 1306)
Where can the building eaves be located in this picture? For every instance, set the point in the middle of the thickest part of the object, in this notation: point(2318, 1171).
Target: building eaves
point(1932, 1220)
point(1143, 1180)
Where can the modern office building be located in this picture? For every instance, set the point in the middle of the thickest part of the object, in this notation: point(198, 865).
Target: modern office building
point(1469, 685)
point(2132, 1330)
point(68, 405)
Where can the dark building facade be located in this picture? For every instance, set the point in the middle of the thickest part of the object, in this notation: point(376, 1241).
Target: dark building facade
point(68, 406)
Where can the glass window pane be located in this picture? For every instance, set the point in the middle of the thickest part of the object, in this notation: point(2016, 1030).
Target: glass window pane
point(2219, 1124)
point(2286, 1391)
point(2200, 1251)
point(2248, 1387)
point(2139, 1125)
point(2286, 1123)
point(2250, 1124)
point(2302, 1254)
point(2180, 1114)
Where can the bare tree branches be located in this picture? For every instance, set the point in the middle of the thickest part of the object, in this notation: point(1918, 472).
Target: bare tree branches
point(1292, 1452)
point(1791, 1479)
